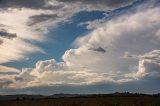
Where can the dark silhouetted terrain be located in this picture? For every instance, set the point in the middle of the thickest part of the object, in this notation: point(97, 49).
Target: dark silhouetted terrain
point(116, 99)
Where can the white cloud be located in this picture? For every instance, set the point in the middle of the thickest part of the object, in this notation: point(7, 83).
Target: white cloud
point(93, 24)
point(16, 21)
point(148, 64)
point(8, 69)
point(16, 17)
point(49, 72)
point(128, 33)
point(16, 49)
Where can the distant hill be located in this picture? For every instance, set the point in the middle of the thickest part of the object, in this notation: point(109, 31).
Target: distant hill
point(21, 97)
point(61, 95)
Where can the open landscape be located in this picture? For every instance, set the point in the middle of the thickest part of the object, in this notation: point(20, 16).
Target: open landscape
point(116, 99)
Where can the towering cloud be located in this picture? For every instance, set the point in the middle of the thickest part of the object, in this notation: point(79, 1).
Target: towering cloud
point(122, 50)
point(38, 16)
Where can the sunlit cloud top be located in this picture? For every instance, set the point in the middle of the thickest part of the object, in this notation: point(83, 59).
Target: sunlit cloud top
point(58, 44)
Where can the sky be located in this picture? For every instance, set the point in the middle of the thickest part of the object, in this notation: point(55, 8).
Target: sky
point(79, 46)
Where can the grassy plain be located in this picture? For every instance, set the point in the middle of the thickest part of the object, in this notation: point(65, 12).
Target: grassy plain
point(89, 101)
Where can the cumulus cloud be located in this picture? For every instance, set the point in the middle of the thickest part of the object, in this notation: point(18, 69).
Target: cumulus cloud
point(51, 73)
point(5, 83)
point(38, 16)
point(149, 65)
point(117, 36)
point(102, 56)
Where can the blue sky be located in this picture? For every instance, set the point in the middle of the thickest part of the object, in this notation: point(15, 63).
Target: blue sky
point(63, 45)
point(60, 39)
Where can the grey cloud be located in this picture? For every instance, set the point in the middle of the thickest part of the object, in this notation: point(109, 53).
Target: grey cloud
point(149, 64)
point(5, 34)
point(1, 41)
point(8, 73)
point(105, 2)
point(154, 55)
point(144, 86)
point(41, 18)
point(2, 25)
point(128, 55)
point(24, 76)
point(59, 5)
point(35, 4)
point(99, 49)
point(17, 78)
point(5, 83)
point(99, 3)
point(43, 4)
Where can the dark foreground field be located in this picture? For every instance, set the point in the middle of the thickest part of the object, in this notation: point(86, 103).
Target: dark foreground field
point(89, 101)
